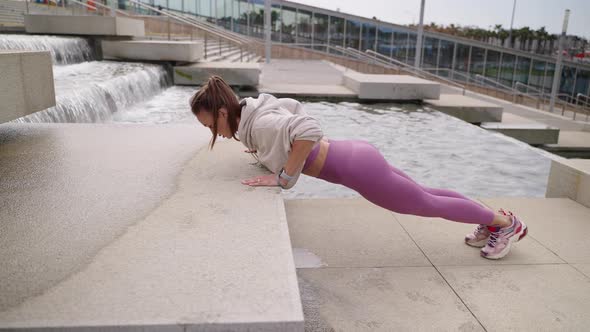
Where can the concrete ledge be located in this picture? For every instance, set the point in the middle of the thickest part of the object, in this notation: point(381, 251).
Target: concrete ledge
point(570, 178)
point(26, 86)
point(390, 87)
point(152, 50)
point(525, 130)
point(84, 25)
point(144, 229)
point(234, 73)
point(466, 108)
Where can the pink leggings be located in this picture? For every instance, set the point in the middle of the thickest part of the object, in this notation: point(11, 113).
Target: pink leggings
point(358, 165)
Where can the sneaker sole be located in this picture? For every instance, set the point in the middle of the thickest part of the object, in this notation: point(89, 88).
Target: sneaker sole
point(513, 239)
point(478, 244)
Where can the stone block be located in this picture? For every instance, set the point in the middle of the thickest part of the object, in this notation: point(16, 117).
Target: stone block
point(27, 83)
point(466, 108)
point(234, 73)
point(570, 178)
point(84, 25)
point(390, 87)
point(152, 50)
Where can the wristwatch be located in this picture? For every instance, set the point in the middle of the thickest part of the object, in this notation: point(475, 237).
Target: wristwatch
point(284, 176)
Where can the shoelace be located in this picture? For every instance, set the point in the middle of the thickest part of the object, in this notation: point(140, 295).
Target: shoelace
point(494, 235)
point(480, 228)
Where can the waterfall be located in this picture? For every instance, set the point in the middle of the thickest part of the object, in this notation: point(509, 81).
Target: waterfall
point(92, 91)
point(64, 50)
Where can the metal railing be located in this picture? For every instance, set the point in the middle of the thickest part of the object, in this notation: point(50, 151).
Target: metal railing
point(401, 65)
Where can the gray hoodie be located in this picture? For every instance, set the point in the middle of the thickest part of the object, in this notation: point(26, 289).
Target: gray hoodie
point(270, 126)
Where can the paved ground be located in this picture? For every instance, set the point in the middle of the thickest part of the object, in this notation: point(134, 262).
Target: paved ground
point(362, 268)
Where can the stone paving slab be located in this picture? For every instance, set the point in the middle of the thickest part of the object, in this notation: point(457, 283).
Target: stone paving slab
point(442, 242)
point(381, 299)
point(574, 139)
point(559, 224)
point(532, 289)
point(360, 234)
point(584, 268)
point(523, 297)
point(139, 228)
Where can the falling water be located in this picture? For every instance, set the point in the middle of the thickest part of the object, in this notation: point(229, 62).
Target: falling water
point(92, 91)
point(64, 50)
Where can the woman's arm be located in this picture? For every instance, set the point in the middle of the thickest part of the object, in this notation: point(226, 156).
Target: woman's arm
point(299, 152)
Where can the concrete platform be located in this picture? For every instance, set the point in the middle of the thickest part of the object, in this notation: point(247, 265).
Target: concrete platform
point(84, 25)
point(234, 73)
point(377, 270)
point(571, 144)
point(466, 108)
point(26, 86)
point(390, 87)
point(570, 178)
point(130, 227)
point(525, 130)
point(152, 50)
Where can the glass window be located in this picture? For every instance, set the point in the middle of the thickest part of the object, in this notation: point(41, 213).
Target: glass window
point(507, 69)
point(204, 7)
point(336, 31)
point(523, 66)
point(536, 78)
point(304, 27)
point(275, 19)
point(242, 23)
point(445, 57)
point(400, 45)
point(320, 29)
point(430, 52)
point(257, 20)
point(492, 64)
point(477, 61)
point(219, 9)
point(566, 85)
point(353, 30)
point(462, 59)
point(582, 83)
point(288, 25)
point(175, 5)
point(411, 47)
point(369, 37)
point(190, 6)
point(236, 15)
point(549, 76)
point(384, 35)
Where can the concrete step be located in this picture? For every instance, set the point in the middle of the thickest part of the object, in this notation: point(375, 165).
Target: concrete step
point(159, 251)
point(468, 109)
point(234, 73)
point(523, 129)
point(390, 87)
point(153, 50)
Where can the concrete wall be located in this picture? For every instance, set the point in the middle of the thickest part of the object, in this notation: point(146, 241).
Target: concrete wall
point(390, 87)
point(152, 50)
point(570, 178)
point(234, 73)
point(84, 25)
point(26, 84)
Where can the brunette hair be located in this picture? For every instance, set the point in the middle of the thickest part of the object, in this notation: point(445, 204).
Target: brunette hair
point(211, 97)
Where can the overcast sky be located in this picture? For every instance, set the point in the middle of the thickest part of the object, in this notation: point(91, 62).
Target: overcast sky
point(482, 13)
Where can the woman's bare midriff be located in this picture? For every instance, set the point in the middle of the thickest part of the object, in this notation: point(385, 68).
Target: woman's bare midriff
point(316, 166)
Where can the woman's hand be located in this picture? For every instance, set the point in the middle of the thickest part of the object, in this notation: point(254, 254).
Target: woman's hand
point(269, 180)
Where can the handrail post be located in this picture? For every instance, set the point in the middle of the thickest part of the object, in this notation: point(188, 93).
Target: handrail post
point(205, 45)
